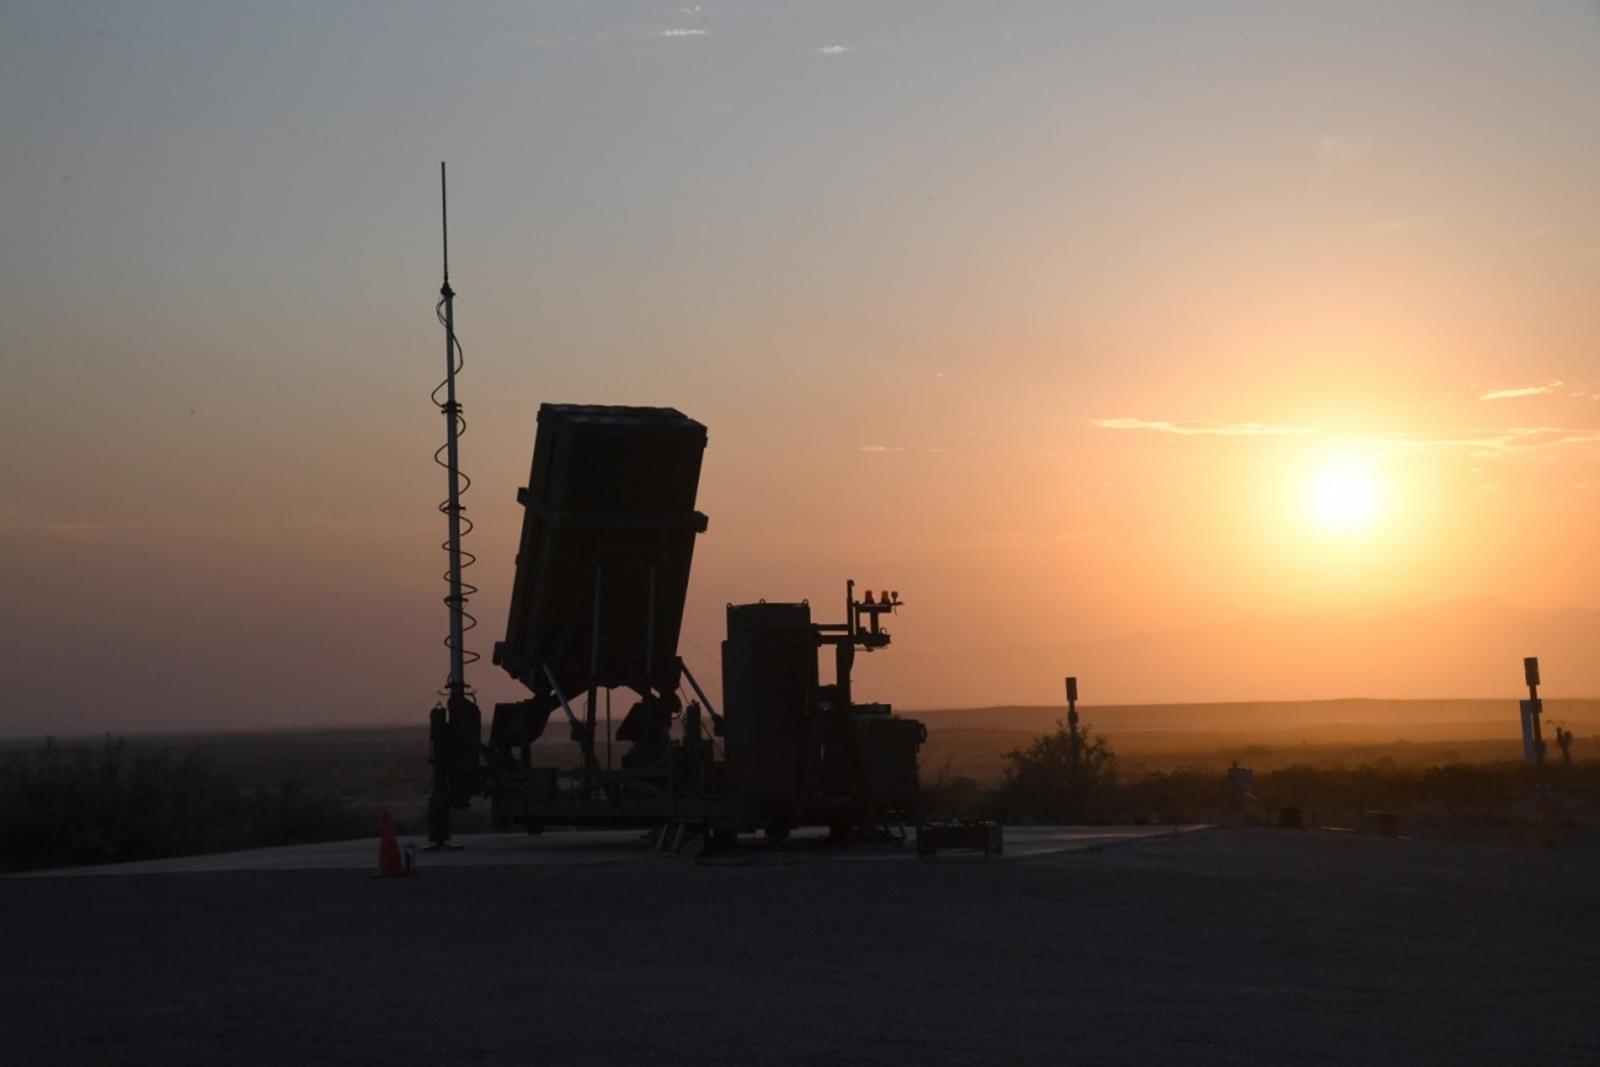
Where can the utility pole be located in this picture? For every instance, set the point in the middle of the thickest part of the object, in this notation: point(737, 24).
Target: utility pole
point(1533, 743)
point(1075, 740)
point(1532, 711)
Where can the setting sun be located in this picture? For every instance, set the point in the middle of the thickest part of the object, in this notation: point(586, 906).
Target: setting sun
point(1342, 496)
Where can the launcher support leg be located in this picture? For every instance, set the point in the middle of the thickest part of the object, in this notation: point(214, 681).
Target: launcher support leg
point(584, 737)
point(705, 701)
point(592, 762)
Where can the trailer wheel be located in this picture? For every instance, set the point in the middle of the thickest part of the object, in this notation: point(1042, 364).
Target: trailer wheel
point(776, 830)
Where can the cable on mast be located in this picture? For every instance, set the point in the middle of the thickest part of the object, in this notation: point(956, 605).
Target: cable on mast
point(448, 457)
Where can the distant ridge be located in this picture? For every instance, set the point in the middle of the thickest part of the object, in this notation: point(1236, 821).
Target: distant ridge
point(1346, 718)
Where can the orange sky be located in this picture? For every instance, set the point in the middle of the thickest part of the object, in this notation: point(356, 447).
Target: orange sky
point(1051, 320)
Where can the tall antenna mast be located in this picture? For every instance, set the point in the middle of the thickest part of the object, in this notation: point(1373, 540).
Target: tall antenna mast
point(454, 728)
point(453, 425)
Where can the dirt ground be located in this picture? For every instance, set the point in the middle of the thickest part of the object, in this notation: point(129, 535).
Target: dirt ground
point(1246, 946)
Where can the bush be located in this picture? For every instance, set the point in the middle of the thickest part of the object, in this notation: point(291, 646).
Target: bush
point(1066, 776)
point(946, 797)
point(1069, 776)
point(1177, 796)
point(64, 805)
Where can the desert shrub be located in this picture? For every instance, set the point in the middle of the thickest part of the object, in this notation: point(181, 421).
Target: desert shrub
point(1185, 795)
point(1473, 788)
point(64, 805)
point(947, 796)
point(1455, 789)
point(1064, 776)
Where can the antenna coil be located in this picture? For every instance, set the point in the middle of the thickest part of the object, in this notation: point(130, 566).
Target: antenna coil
point(447, 456)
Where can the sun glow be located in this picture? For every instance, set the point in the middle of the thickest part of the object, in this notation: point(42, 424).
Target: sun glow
point(1343, 496)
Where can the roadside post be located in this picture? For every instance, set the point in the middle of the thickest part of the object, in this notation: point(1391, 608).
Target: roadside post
point(1533, 744)
point(1532, 710)
point(1072, 715)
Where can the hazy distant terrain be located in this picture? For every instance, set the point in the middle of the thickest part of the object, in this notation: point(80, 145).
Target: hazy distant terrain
point(1327, 720)
point(1453, 767)
point(1263, 735)
point(386, 766)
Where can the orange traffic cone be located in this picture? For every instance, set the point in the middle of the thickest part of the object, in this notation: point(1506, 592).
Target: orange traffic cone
point(390, 865)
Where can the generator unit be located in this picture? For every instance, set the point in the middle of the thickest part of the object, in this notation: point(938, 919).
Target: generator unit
point(602, 570)
point(799, 751)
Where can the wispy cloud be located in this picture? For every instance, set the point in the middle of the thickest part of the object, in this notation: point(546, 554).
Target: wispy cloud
point(69, 527)
point(1490, 443)
point(1483, 443)
point(1541, 437)
point(833, 49)
point(683, 31)
point(1205, 429)
point(877, 449)
point(1524, 390)
point(15, 520)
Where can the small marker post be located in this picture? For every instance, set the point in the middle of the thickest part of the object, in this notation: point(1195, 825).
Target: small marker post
point(1072, 714)
point(1533, 743)
point(1533, 710)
